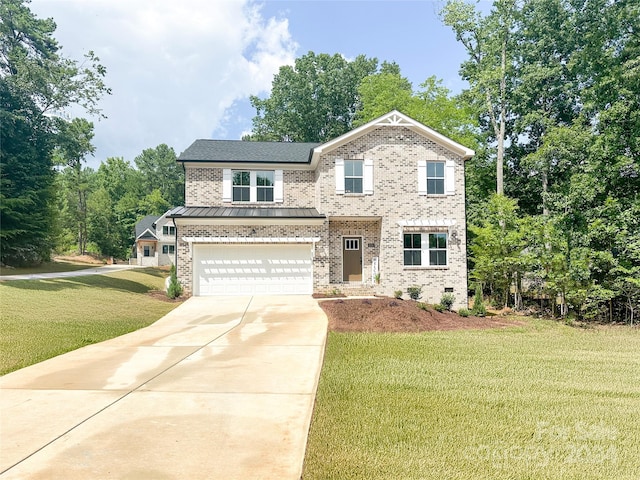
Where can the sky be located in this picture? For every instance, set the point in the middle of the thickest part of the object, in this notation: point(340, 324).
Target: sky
point(181, 70)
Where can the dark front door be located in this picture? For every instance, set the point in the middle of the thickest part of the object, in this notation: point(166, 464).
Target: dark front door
point(352, 259)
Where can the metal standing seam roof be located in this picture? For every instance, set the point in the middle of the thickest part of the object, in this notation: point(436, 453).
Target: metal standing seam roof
point(243, 212)
point(232, 151)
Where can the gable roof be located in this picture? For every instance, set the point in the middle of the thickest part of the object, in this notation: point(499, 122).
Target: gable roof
point(240, 151)
point(393, 119)
point(147, 224)
point(234, 151)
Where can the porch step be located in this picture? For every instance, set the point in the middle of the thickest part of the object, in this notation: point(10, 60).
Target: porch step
point(350, 289)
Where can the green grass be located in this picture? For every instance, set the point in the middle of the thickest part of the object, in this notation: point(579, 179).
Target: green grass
point(48, 267)
point(543, 401)
point(44, 318)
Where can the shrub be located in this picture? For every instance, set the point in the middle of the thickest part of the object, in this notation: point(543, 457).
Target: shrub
point(415, 292)
point(464, 312)
point(422, 306)
point(175, 289)
point(447, 300)
point(398, 294)
point(478, 302)
point(439, 308)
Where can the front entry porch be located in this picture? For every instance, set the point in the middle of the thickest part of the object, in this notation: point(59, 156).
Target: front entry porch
point(354, 247)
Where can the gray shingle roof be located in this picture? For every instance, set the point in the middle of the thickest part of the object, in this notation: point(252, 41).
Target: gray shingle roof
point(146, 223)
point(250, 152)
point(241, 212)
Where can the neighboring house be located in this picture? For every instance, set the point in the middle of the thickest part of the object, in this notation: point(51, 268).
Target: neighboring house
point(155, 241)
point(375, 210)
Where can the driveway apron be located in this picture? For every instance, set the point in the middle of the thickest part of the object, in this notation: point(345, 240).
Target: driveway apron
point(219, 388)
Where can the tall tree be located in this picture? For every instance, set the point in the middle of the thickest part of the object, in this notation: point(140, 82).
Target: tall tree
point(313, 101)
point(74, 143)
point(490, 46)
point(35, 81)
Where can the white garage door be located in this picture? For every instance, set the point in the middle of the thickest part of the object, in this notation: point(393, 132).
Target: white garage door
point(279, 269)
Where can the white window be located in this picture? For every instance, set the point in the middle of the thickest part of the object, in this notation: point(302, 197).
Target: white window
point(252, 186)
point(436, 177)
point(354, 176)
point(147, 251)
point(168, 230)
point(425, 249)
point(264, 185)
point(241, 186)
point(170, 249)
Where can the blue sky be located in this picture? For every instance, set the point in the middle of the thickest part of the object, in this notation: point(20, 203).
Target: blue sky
point(185, 70)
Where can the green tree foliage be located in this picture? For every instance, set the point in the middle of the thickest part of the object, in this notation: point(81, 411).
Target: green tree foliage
point(499, 248)
point(314, 101)
point(432, 104)
point(26, 179)
point(572, 145)
point(36, 80)
point(160, 172)
point(73, 144)
point(489, 42)
point(114, 208)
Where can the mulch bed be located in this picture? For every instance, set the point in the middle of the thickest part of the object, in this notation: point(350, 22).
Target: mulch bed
point(385, 314)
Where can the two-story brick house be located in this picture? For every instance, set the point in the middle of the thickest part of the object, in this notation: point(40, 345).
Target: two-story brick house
point(373, 211)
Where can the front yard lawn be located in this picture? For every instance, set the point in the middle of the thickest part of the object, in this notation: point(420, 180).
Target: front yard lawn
point(536, 401)
point(44, 318)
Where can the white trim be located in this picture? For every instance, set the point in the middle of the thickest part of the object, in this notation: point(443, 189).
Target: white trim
point(155, 237)
point(227, 188)
point(422, 177)
point(339, 173)
point(367, 177)
point(450, 177)
point(278, 187)
point(428, 222)
point(392, 119)
point(191, 240)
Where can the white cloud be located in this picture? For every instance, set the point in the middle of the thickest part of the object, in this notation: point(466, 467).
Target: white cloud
point(176, 68)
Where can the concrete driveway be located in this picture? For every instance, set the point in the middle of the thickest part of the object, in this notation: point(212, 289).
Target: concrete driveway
point(220, 388)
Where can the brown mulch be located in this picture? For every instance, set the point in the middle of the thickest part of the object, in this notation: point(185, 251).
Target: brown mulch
point(390, 315)
point(161, 295)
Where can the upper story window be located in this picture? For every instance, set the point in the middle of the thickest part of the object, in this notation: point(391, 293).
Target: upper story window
point(436, 177)
point(425, 249)
point(353, 176)
point(168, 230)
point(252, 186)
point(241, 186)
point(265, 184)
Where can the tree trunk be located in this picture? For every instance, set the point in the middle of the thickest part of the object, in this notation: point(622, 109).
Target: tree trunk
point(503, 114)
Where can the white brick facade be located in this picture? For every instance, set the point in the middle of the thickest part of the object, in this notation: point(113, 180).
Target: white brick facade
point(380, 219)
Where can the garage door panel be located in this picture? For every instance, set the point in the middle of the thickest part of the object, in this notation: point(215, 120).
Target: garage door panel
point(252, 269)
